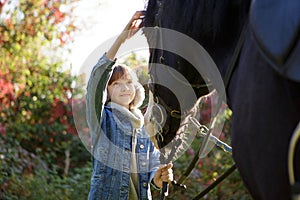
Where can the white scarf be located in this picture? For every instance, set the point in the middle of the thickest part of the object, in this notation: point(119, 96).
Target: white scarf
point(123, 115)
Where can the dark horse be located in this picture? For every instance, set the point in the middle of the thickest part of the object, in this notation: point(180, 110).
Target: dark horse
point(265, 105)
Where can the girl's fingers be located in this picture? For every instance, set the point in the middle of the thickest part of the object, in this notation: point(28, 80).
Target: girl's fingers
point(167, 173)
point(139, 14)
point(134, 24)
point(163, 174)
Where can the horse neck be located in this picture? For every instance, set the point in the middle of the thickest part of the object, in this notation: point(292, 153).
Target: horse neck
point(222, 52)
point(216, 25)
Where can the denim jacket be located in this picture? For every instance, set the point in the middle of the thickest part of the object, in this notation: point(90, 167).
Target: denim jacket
point(112, 144)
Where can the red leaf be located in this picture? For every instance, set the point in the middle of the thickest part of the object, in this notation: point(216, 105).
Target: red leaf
point(2, 129)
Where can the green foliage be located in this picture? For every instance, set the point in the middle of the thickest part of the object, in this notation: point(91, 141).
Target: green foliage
point(140, 65)
point(26, 176)
point(36, 106)
point(47, 185)
point(39, 149)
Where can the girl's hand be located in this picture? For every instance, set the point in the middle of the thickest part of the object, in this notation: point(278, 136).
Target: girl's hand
point(163, 174)
point(133, 25)
point(130, 29)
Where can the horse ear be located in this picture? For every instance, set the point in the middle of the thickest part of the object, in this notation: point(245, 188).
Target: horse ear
point(139, 96)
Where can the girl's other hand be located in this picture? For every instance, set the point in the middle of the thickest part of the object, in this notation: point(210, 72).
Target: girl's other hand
point(163, 174)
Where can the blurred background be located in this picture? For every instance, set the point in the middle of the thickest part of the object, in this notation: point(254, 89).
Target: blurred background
point(43, 45)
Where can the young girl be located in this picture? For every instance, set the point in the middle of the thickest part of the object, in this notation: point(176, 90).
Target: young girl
point(125, 161)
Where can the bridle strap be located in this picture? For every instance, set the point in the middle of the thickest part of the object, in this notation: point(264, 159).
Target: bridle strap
point(236, 54)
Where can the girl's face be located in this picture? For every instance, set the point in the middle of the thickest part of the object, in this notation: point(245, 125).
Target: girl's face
point(122, 91)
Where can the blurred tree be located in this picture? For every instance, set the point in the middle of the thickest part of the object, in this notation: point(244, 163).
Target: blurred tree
point(35, 89)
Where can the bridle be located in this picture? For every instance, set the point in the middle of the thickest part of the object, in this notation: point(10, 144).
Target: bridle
point(159, 38)
point(173, 113)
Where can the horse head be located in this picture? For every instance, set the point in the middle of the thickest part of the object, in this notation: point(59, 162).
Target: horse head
point(172, 76)
point(174, 84)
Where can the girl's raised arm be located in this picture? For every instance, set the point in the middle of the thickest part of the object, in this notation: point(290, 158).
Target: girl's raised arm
point(130, 29)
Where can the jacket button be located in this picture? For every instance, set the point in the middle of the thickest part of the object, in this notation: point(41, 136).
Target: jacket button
point(142, 146)
point(143, 163)
point(144, 184)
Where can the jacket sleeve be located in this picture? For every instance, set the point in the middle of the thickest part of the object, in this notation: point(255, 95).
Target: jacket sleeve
point(96, 94)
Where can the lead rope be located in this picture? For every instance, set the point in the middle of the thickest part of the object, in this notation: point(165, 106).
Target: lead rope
point(203, 130)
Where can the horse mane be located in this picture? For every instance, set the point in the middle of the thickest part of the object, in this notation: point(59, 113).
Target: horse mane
point(205, 18)
point(210, 22)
